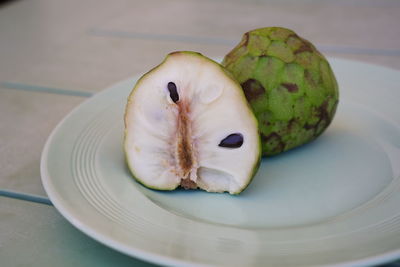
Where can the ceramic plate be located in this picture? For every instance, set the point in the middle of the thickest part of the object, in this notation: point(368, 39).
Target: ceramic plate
point(335, 201)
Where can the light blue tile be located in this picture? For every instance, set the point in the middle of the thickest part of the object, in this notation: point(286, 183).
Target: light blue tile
point(338, 49)
point(36, 235)
point(27, 119)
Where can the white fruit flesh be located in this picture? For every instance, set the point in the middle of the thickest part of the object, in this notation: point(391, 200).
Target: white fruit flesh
point(172, 144)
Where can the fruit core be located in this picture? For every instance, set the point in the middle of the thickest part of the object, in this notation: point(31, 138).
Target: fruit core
point(185, 149)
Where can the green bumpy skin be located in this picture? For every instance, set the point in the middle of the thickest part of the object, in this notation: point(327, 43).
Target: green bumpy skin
point(289, 85)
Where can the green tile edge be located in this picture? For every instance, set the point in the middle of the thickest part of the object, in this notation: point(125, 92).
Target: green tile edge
point(44, 89)
point(26, 197)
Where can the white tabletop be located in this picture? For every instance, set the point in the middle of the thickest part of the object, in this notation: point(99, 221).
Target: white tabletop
point(55, 54)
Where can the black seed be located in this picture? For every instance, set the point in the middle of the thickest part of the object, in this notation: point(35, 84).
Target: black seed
point(232, 141)
point(173, 93)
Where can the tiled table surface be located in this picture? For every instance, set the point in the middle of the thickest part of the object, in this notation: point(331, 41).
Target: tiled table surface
point(55, 54)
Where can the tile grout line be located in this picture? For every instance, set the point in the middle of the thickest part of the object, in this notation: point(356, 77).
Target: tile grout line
point(360, 3)
point(44, 89)
point(227, 42)
point(358, 50)
point(160, 37)
point(25, 197)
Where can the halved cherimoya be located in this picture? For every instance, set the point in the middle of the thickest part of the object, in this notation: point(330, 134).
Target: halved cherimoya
point(188, 124)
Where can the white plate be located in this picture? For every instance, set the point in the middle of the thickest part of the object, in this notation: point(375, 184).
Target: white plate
point(335, 201)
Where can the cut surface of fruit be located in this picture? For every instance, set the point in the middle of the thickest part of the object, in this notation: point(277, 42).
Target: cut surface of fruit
point(188, 124)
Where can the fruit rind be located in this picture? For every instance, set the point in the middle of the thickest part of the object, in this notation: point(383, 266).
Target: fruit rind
point(289, 85)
